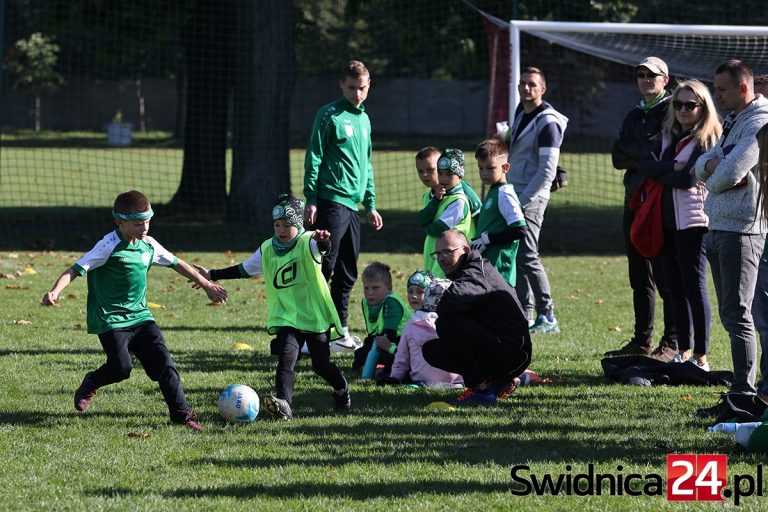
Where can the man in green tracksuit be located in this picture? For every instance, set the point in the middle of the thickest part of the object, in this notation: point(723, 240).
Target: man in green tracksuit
point(337, 177)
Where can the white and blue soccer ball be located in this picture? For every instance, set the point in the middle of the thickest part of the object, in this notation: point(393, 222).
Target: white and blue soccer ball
point(239, 404)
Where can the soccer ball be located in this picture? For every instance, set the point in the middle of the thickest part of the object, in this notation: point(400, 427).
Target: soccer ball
point(239, 404)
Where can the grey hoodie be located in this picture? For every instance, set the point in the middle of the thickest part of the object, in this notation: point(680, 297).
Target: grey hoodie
point(732, 205)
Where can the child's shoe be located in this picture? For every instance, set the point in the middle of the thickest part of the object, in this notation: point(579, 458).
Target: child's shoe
point(543, 325)
point(278, 408)
point(346, 344)
point(189, 419)
point(342, 400)
point(85, 393)
point(473, 397)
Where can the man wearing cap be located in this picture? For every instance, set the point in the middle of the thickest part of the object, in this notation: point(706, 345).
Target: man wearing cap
point(534, 141)
point(640, 128)
point(737, 230)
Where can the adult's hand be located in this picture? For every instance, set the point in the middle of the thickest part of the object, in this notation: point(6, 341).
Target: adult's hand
point(310, 214)
point(375, 219)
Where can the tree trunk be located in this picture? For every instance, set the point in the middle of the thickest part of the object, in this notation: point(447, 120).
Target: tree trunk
point(208, 43)
point(263, 89)
point(37, 112)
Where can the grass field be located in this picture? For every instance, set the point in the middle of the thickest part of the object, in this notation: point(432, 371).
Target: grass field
point(388, 453)
point(73, 177)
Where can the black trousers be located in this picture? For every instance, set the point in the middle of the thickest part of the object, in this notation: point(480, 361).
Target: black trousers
point(645, 277)
point(286, 347)
point(472, 350)
point(340, 264)
point(146, 342)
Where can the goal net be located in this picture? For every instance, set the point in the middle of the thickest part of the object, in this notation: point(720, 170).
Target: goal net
point(590, 79)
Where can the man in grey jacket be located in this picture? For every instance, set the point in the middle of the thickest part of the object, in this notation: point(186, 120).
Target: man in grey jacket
point(534, 141)
point(736, 235)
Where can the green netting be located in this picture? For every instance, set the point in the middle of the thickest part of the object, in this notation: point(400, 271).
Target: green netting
point(206, 107)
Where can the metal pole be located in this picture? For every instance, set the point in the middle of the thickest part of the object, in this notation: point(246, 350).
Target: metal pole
point(514, 68)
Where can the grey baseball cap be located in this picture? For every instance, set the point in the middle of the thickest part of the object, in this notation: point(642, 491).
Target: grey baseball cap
point(655, 64)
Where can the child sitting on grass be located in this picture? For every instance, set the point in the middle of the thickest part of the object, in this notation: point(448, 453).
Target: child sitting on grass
point(117, 269)
point(448, 208)
point(385, 314)
point(409, 366)
point(299, 303)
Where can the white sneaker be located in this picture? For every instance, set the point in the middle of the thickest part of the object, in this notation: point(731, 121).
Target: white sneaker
point(677, 358)
point(704, 366)
point(346, 345)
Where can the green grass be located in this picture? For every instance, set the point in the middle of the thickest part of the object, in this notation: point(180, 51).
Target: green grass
point(388, 453)
point(74, 177)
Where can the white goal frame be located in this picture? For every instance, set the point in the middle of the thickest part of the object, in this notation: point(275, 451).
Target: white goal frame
point(518, 26)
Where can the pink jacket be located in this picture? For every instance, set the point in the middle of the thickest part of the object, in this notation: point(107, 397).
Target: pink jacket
point(689, 203)
point(409, 361)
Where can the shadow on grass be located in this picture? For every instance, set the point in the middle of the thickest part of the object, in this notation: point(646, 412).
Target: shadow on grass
point(567, 230)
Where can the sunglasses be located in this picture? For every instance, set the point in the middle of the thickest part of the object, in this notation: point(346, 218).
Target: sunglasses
point(642, 75)
point(688, 105)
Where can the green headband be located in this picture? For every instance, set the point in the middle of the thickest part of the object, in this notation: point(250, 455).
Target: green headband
point(133, 216)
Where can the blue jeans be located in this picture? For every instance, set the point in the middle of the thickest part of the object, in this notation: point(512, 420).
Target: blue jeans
point(760, 315)
point(734, 258)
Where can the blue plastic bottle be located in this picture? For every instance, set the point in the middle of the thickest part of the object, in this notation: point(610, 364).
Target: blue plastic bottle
point(369, 369)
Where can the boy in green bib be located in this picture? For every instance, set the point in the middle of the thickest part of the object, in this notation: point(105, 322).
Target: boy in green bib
point(117, 269)
point(448, 208)
point(385, 313)
point(500, 225)
point(300, 309)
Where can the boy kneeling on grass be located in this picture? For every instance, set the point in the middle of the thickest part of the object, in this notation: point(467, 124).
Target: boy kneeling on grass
point(299, 303)
point(117, 269)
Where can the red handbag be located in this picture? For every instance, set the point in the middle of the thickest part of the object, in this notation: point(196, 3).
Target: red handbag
point(647, 230)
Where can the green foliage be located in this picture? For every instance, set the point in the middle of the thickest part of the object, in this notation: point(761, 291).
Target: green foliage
point(33, 66)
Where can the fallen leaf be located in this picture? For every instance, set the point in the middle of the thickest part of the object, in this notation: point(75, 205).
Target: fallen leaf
point(14, 287)
point(71, 296)
point(140, 435)
point(13, 255)
point(215, 304)
point(687, 398)
point(399, 274)
point(78, 326)
point(615, 328)
point(599, 301)
point(22, 322)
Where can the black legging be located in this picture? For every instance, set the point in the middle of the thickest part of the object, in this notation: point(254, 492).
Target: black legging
point(472, 350)
point(287, 346)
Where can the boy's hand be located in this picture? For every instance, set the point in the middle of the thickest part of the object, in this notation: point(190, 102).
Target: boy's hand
point(50, 298)
point(216, 292)
point(375, 219)
point(384, 343)
point(439, 192)
point(322, 235)
point(202, 271)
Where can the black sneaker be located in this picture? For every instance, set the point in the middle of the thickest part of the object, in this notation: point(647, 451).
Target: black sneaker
point(632, 348)
point(342, 401)
point(85, 393)
point(278, 408)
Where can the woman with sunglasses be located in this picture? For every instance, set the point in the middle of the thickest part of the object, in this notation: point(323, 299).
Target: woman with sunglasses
point(690, 128)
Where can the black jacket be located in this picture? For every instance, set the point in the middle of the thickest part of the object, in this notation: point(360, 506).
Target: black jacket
point(639, 131)
point(479, 292)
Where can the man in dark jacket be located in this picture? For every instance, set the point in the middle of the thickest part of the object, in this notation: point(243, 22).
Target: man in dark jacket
point(639, 130)
point(482, 329)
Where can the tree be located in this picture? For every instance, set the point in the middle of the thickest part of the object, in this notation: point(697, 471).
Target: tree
point(263, 87)
point(209, 46)
point(33, 68)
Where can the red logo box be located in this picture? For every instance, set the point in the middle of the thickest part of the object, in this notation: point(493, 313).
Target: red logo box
point(693, 477)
